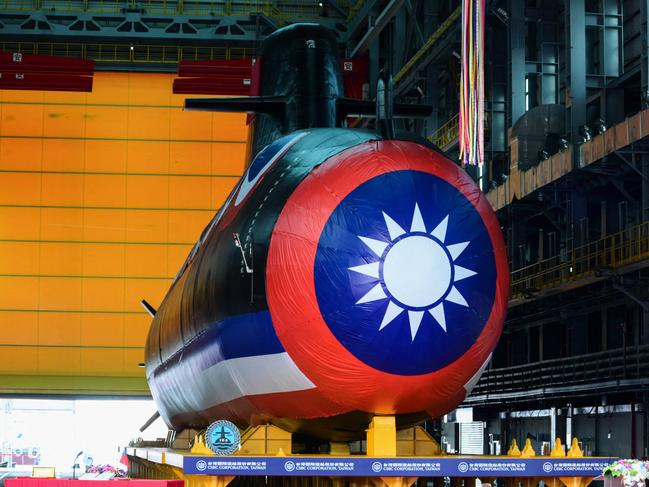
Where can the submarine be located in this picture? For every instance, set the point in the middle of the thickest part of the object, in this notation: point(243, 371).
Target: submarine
point(350, 273)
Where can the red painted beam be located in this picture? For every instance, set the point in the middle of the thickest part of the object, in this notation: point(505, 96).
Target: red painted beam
point(44, 81)
point(28, 63)
point(220, 67)
point(212, 85)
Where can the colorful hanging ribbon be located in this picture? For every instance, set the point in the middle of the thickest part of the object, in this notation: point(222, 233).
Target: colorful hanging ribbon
point(471, 121)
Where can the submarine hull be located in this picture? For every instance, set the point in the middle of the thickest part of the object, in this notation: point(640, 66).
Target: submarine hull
point(345, 276)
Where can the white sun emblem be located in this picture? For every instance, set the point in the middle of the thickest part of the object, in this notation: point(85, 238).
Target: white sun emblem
point(416, 271)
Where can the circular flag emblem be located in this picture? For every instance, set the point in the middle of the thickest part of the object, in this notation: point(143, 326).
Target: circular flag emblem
point(387, 278)
point(405, 273)
point(223, 437)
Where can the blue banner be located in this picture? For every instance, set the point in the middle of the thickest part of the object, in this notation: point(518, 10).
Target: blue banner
point(478, 467)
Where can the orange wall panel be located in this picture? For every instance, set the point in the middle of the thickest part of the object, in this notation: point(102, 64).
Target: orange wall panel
point(20, 154)
point(102, 196)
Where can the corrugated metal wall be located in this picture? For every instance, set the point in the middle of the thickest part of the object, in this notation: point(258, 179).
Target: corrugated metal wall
point(102, 195)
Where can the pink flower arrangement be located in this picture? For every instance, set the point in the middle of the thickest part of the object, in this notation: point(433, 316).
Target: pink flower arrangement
point(119, 472)
point(633, 472)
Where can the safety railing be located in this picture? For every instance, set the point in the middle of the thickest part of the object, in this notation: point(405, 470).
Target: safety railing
point(608, 253)
point(617, 364)
point(446, 135)
point(125, 53)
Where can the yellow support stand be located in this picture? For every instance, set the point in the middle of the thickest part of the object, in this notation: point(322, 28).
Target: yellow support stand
point(382, 437)
point(557, 451)
point(513, 449)
point(528, 451)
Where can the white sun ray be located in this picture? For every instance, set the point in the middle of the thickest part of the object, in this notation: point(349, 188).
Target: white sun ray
point(393, 310)
point(414, 317)
point(460, 272)
point(418, 224)
point(440, 230)
point(397, 280)
point(372, 269)
point(454, 296)
point(438, 313)
point(373, 294)
point(376, 246)
point(393, 227)
point(456, 249)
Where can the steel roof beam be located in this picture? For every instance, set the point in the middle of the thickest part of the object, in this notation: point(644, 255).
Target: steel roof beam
point(381, 21)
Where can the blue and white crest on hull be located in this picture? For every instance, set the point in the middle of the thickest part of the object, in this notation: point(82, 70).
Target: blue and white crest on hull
point(405, 273)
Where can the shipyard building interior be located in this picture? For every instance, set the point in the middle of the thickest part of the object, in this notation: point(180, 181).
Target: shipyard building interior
point(107, 181)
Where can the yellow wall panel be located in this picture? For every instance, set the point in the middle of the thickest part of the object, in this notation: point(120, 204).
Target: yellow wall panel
point(19, 258)
point(229, 126)
point(22, 121)
point(20, 223)
point(228, 159)
point(61, 224)
point(187, 125)
point(19, 188)
point(109, 89)
point(106, 156)
point(187, 225)
point(20, 154)
point(106, 122)
point(105, 190)
point(147, 226)
point(103, 259)
point(147, 191)
point(59, 328)
point(59, 294)
point(132, 359)
point(145, 261)
point(19, 293)
point(156, 91)
point(64, 97)
point(64, 121)
point(148, 123)
point(148, 157)
point(62, 190)
point(63, 155)
point(221, 188)
point(60, 259)
point(190, 157)
point(106, 361)
point(21, 360)
point(103, 329)
point(18, 327)
point(55, 360)
point(104, 225)
point(23, 96)
point(136, 327)
point(103, 294)
point(190, 192)
point(176, 257)
point(102, 196)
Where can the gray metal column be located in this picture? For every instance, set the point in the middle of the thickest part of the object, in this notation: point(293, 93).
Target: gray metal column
point(644, 9)
point(517, 52)
point(577, 37)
